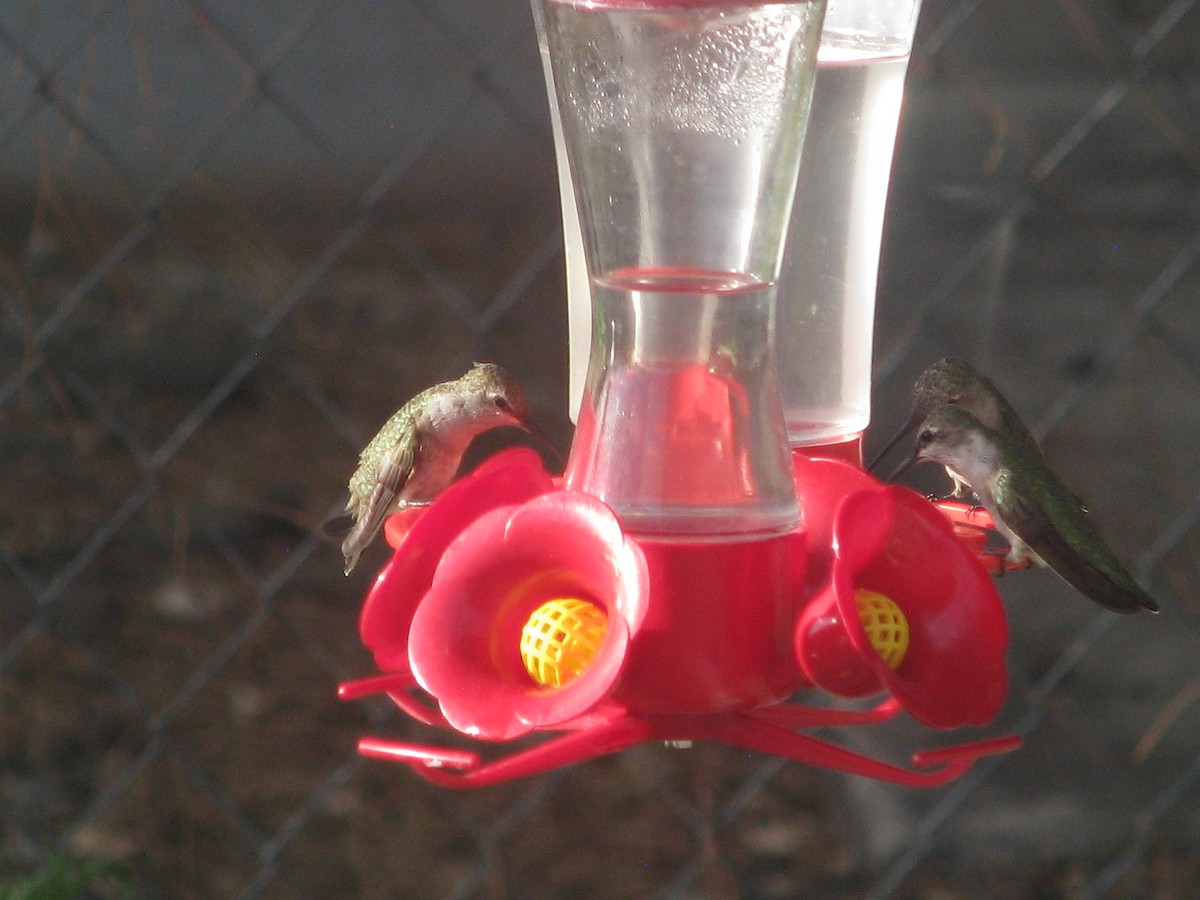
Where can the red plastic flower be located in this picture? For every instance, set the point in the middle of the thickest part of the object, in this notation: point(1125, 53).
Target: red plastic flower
point(509, 564)
point(496, 558)
point(890, 542)
point(506, 479)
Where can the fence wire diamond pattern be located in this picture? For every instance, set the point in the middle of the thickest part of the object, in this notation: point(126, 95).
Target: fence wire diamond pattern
point(237, 236)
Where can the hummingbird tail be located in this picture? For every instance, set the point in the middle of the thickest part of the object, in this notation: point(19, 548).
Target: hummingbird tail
point(338, 526)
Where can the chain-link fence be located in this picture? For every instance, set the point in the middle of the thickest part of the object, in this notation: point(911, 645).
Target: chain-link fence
point(236, 236)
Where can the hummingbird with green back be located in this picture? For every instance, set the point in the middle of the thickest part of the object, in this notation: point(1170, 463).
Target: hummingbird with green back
point(1038, 515)
point(417, 452)
point(953, 380)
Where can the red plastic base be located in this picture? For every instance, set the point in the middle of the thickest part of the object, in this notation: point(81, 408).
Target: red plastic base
point(612, 729)
point(710, 635)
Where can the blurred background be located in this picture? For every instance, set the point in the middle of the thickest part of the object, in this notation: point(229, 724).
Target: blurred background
point(236, 236)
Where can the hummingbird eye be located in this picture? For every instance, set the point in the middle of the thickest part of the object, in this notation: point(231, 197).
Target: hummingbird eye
point(502, 403)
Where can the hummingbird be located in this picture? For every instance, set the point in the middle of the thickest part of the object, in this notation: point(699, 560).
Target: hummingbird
point(953, 380)
point(417, 452)
point(1038, 515)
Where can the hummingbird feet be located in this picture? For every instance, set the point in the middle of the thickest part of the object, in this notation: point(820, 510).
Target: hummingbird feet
point(948, 498)
point(1007, 562)
point(1001, 552)
point(972, 510)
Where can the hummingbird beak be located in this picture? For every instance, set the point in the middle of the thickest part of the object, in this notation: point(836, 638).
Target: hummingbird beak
point(904, 467)
point(544, 439)
point(912, 423)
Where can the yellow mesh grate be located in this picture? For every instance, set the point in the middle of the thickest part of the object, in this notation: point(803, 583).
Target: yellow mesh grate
point(885, 625)
point(561, 638)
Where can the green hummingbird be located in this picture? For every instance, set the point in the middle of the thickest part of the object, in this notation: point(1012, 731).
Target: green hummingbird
point(953, 380)
point(417, 452)
point(1038, 515)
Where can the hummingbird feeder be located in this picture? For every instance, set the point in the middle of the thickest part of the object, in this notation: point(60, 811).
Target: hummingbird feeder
point(714, 564)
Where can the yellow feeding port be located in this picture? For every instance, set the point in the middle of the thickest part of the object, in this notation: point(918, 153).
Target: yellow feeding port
point(561, 639)
point(885, 625)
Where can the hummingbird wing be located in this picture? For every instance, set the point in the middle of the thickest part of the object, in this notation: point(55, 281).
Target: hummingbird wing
point(1043, 513)
point(376, 497)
